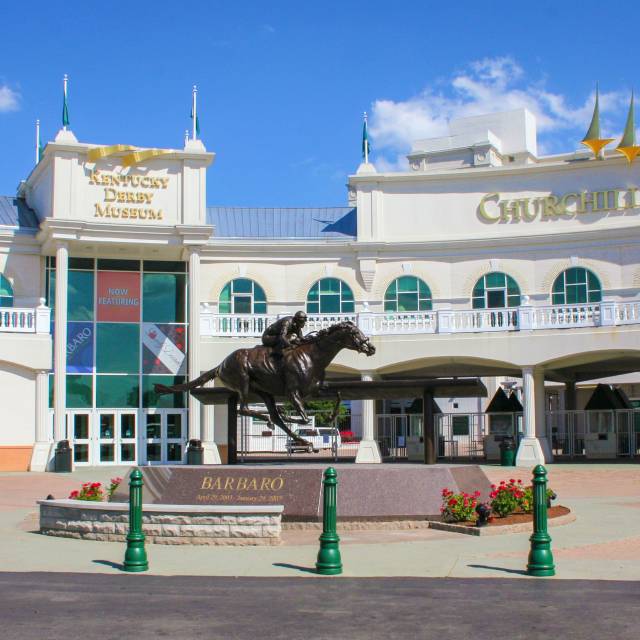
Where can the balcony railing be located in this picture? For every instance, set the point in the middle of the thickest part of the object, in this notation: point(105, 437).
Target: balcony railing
point(25, 320)
point(445, 321)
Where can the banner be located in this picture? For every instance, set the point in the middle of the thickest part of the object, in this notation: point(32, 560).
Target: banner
point(118, 296)
point(79, 347)
point(163, 349)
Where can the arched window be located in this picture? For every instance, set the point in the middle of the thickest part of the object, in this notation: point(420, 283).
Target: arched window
point(576, 285)
point(330, 295)
point(496, 290)
point(242, 296)
point(6, 292)
point(407, 293)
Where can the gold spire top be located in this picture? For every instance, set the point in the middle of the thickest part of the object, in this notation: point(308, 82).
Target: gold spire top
point(592, 139)
point(627, 146)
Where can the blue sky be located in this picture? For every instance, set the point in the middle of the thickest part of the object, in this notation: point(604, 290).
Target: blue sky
point(282, 85)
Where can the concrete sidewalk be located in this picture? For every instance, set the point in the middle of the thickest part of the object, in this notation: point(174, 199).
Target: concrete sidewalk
point(602, 543)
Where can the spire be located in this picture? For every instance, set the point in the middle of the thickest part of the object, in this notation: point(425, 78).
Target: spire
point(592, 139)
point(39, 148)
point(194, 114)
point(366, 147)
point(65, 105)
point(627, 145)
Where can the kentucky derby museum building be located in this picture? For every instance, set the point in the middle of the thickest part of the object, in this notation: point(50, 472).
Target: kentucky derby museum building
point(483, 259)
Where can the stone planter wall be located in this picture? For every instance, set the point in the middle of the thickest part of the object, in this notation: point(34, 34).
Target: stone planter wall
point(163, 524)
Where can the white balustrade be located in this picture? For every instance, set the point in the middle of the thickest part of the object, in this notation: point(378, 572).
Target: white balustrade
point(473, 320)
point(567, 315)
point(444, 321)
point(25, 320)
point(628, 312)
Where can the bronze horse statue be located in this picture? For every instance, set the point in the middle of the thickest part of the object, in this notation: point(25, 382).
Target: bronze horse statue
point(296, 374)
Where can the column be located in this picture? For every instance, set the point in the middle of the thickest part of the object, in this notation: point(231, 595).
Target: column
point(211, 453)
point(570, 398)
point(429, 436)
point(60, 344)
point(42, 450)
point(194, 339)
point(529, 452)
point(541, 413)
point(368, 450)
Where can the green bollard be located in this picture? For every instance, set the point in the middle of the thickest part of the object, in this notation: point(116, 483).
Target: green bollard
point(329, 561)
point(540, 557)
point(135, 557)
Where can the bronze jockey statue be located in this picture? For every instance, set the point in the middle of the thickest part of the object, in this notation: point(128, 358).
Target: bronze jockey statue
point(285, 332)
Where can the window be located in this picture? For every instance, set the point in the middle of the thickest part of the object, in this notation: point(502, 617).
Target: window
point(330, 295)
point(460, 425)
point(6, 292)
point(576, 285)
point(242, 296)
point(407, 293)
point(164, 297)
point(496, 290)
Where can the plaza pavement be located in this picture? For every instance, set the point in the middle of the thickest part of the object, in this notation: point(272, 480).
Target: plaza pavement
point(603, 543)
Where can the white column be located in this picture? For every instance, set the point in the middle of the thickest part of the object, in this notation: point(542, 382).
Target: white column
point(529, 451)
point(60, 344)
point(194, 339)
point(541, 413)
point(42, 449)
point(211, 453)
point(368, 450)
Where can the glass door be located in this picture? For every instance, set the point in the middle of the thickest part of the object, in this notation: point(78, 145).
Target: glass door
point(127, 443)
point(80, 426)
point(165, 434)
point(106, 438)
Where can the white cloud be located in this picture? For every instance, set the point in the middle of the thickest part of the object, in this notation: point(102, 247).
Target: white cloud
point(9, 99)
point(485, 86)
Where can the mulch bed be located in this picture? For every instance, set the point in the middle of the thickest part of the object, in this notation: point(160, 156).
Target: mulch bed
point(517, 518)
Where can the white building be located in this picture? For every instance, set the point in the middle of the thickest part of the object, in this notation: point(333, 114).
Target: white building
point(484, 259)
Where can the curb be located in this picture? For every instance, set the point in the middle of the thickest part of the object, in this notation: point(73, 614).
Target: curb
point(522, 527)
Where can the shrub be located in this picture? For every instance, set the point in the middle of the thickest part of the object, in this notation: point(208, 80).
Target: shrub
point(526, 502)
point(89, 491)
point(348, 436)
point(506, 497)
point(115, 483)
point(458, 507)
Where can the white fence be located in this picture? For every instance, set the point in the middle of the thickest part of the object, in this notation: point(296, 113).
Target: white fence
point(25, 320)
point(440, 321)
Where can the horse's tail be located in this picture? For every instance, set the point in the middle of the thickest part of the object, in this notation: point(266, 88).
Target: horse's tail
point(162, 389)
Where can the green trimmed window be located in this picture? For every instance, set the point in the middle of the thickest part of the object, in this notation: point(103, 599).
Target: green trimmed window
point(407, 293)
point(496, 290)
point(150, 399)
point(117, 348)
point(576, 286)
point(6, 292)
point(164, 297)
point(330, 295)
point(80, 295)
point(117, 391)
point(242, 295)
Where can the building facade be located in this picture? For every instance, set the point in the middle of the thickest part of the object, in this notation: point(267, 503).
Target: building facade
point(484, 259)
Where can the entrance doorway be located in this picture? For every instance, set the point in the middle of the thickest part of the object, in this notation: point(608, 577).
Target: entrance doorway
point(164, 436)
point(127, 436)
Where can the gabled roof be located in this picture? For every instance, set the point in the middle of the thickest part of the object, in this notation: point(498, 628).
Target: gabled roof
point(14, 212)
point(283, 223)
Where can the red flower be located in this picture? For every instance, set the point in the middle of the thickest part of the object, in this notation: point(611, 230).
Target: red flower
point(512, 481)
point(453, 502)
point(74, 494)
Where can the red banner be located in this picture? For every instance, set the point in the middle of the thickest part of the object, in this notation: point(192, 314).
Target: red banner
point(118, 296)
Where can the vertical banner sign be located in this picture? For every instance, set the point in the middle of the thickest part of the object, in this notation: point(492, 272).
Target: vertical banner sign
point(79, 347)
point(118, 296)
point(163, 349)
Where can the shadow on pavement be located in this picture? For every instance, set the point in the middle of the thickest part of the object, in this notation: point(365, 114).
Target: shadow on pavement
point(109, 563)
point(286, 565)
point(521, 572)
